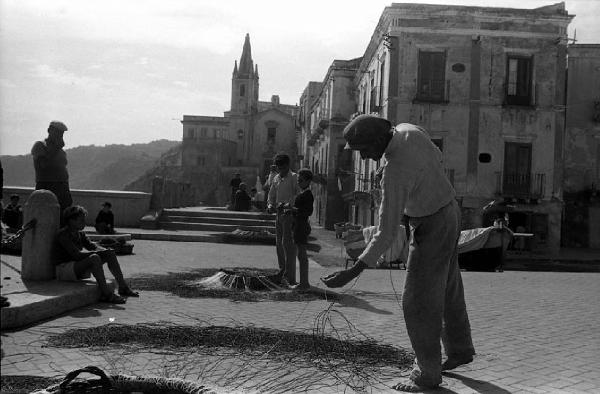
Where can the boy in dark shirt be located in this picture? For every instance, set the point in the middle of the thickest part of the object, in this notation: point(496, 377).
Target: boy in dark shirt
point(105, 221)
point(303, 208)
point(76, 257)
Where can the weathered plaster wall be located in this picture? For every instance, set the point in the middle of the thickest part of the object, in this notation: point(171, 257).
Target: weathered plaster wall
point(582, 142)
point(285, 136)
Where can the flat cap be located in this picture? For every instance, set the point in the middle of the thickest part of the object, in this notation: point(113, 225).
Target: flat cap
point(364, 129)
point(56, 125)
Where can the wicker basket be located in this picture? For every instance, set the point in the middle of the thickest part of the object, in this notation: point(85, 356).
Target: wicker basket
point(122, 384)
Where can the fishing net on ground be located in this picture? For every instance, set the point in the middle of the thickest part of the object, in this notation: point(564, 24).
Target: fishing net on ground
point(238, 284)
point(255, 358)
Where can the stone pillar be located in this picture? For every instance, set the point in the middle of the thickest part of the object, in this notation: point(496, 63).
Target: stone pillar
point(38, 242)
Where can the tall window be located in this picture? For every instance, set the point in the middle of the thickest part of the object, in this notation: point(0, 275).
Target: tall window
point(518, 80)
point(271, 131)
point(432, 79)
point(203, 131)
point(517, 168)
point(364, 100)
point(201, 161)
point(242, 90)
point(373, 98)
point(381, 79)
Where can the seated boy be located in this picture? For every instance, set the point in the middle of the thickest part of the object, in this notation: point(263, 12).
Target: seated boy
point(76, 257)
point(105, 221)
point(13, 214)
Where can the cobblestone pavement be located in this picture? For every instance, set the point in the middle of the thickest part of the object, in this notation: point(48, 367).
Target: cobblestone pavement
point(534, 332)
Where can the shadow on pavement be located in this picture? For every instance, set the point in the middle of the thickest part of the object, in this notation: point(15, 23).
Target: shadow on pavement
point(94, 310)
point(479, 386)
point(356, 302)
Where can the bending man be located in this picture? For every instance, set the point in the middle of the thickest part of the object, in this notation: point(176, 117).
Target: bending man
point(415, 189)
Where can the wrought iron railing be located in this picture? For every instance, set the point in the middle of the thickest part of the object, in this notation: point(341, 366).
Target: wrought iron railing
point(520, 185)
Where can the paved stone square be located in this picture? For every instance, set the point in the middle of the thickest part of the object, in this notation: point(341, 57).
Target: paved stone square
point(534, 332)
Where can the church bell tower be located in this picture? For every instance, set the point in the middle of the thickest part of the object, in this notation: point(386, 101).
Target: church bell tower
point(244, 83)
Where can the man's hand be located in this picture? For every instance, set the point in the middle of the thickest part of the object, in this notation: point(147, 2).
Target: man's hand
point(270, 209)
point(341, 278)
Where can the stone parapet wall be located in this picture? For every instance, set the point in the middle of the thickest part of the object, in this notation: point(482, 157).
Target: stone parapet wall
point(128, 207)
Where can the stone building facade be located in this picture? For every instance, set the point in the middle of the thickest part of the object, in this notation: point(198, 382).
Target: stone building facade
point(243, 141)
point(488, 85)
point(326, 109)
point(581, 222)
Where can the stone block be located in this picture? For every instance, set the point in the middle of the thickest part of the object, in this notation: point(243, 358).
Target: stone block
point(38, 242)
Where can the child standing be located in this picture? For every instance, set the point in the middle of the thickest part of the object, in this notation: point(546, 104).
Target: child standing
point(303, 208)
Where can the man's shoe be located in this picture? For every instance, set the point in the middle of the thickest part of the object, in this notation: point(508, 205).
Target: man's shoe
point(455, 362)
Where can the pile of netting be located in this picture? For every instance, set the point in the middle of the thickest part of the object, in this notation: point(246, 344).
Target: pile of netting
point(238, 284)
point(255, 358)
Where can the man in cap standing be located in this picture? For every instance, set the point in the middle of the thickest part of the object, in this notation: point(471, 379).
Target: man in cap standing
point(416, 191)
point(50, 163)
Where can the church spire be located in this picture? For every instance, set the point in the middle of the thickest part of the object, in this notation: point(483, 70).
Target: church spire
point(246, 63)
point(235, 68)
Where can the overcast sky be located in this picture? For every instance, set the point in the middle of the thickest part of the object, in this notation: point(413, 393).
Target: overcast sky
point(125, 71)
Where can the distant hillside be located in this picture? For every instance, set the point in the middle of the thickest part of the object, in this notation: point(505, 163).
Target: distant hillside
point(167, 166)
point(108, 167)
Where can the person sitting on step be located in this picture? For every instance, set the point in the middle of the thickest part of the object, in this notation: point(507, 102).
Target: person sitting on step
point(76, 257)
point(105, 221)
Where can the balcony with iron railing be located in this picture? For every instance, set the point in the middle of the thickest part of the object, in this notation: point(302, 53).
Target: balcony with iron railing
point(433, 91)
point(520, 185)
point(366, 183)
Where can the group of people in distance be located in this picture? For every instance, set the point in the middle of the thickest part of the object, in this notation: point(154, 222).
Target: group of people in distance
point(292, 201)
point(289, 197)
point(243, 199)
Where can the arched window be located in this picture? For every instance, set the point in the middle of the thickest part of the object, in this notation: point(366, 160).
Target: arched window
point(242, 90)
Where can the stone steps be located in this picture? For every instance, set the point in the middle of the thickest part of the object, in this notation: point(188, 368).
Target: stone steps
point(216, 227)
point(215, 220)
point(217, 213)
